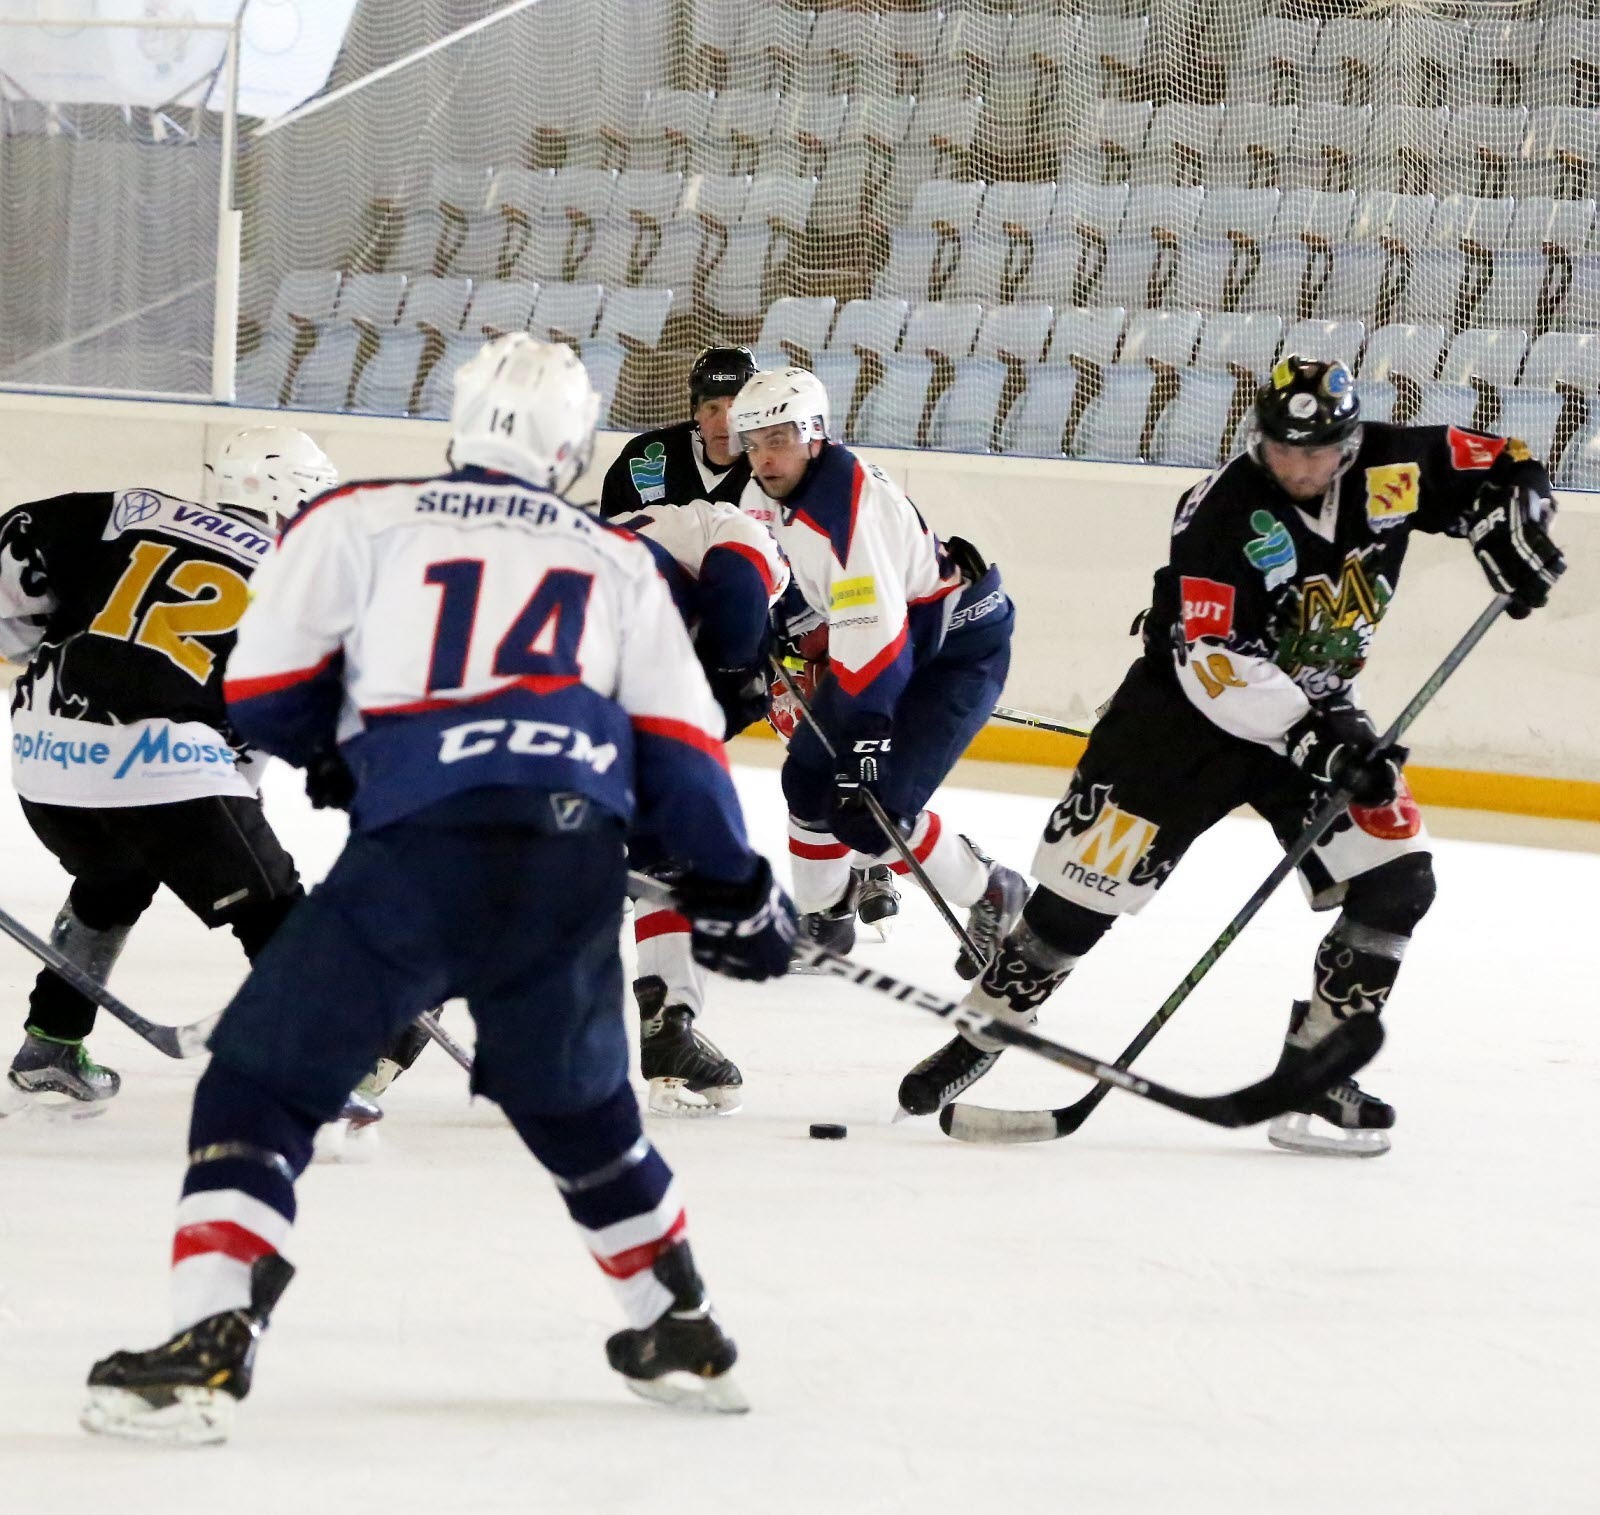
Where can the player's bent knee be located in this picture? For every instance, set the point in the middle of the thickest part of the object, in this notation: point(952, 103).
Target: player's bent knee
point(102, 904)
point(256, 924)
point(1394, 896)
point(1064, 924)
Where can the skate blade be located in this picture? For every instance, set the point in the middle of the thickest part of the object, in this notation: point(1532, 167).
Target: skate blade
point(197, 1418)
point(673, 1098)
point(346, 1141)
point(48, 1105)
point(1295, 1133)
point(693, 1395)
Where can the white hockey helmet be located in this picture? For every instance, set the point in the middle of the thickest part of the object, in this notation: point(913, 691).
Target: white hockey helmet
point(782, 395)
point(525, 408)
point(271, 468)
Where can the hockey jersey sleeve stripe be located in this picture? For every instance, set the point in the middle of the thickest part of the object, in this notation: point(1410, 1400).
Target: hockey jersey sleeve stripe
point(751, 555)
point(682, 731)
point(224, 1236)
point(534, 683)
point(274, 683)
point(854, 680)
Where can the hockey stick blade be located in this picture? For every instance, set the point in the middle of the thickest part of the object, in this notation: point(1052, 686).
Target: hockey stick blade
point(1340, 1055)
point(1240, 1107)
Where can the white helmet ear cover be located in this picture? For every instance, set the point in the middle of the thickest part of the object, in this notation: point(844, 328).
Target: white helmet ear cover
point(525, 408)
point(780, 396)
point(275, 469)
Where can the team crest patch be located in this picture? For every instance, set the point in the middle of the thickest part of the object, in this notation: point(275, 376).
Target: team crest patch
point(1469, 450)
point(1392, 491)
point(1273, 550)
point(649, 473)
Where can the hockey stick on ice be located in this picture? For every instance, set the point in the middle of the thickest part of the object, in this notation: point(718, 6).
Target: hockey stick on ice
point(429, 1021)
point(175, 1041)
point(980, 1123)
point(888, 827)
point(1351, 1047)
point(1038, 722)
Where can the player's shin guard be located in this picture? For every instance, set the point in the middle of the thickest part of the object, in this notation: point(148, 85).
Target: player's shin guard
point(819, 865)
point(661, 937)
point(56, 1010)
point(953, 865)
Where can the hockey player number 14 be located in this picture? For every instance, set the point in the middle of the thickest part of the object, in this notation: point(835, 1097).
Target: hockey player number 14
point(541, 642)
point(216, 597)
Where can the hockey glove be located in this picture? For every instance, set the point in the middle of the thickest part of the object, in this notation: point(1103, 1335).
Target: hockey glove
point(861, 766)
point(330, 785)
point(742, 694)
point(1507, 526)
point(741, 930)
point(1337, 747)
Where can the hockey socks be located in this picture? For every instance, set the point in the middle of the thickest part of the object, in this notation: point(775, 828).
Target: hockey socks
point(820, 863)
point(661, 937)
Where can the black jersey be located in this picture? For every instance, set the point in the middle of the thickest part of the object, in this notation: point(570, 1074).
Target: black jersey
point(664, 468)
point(124, 608)
point(1266, 605)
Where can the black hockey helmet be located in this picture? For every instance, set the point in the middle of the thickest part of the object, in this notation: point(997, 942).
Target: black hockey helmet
point(719, 371)
point(1308, 402)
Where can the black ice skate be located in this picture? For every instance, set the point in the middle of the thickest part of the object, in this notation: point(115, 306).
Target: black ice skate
point(937, 1080)
point(995, 912)
point(686, 1072)
point(1344, 1121)
point(880, 900)
point(683, 1360)
point(46, 1065)
point(185, 1391)
point(833, 929)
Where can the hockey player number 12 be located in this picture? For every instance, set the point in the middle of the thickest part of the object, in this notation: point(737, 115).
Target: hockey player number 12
point(216, 599)
point(542, 642)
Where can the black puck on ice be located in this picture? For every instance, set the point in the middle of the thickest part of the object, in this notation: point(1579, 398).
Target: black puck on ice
point(825, 1131)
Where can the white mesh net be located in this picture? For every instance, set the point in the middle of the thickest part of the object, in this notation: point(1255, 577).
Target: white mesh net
point(1084, 227)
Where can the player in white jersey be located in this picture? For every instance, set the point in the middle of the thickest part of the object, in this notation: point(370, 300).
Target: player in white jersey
point(725, 573)
point(511, 689)
point(918, 640)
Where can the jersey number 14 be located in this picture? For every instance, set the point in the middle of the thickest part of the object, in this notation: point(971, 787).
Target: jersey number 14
point(541, 642)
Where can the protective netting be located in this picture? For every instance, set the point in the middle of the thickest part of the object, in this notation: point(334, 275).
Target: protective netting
point(1084, 227)
point(108, 212)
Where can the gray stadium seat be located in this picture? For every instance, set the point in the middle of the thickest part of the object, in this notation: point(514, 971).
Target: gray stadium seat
point(838, 372)
point(1436, 288)
point(1562, 150)
point(1405, 150)
point(905, 53)
point(1425, 58)
point(566, 310)
point(963, 416)
point(1092, 334)
point(1246, 342)
point(259, 377)
point(871, 324)
point(1327, 340)
point(1354, 279)
point(1494, 356)
point(634, 317)
point(891, 413)
point(1113, 47)
point(1329, 147)
point(1108, 143)
point(306, 296)
point(1280, 278)
point(1211, 274)
point(800, 320)
point(386, 382)
point(1446, 405)
point(1484, 150)
point(439, 387)
point(1250, 213)
point(1411, 351)
point(942, 328)
point(1516, 291)
point(770, 46)
point(1540, 219)
point(1180, 144)
point(835, 51)
point(997, 257)
point(1276, 62)
point(1035, 424)
point(1500, 63)
point(1580, 310)
point(1161, 336)
point(1112, 428)
point(1350, 61)
point(1564, 358)
point(908, 271)
point(1533, 415)
point(322, 381)
point(737, 132)
point(808, 133)
point(372, 299)
point(1580, 463)
point(1015, 331)
point(670, 124)
point(1381, 215)
point(501, 305)
point(603, 363)
point(1191, 431)
point(1568, 68)
point(1255, 146)
point(437, 304)
point(1315, 213)
point(1378, 399)
point(1461, 219)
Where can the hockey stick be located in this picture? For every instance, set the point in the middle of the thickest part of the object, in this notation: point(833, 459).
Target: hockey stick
point(888, 827)
point(1352, 1046)
point(174, 1041)
point(429, 1021)
point(981, 1123)
point(1038, 722)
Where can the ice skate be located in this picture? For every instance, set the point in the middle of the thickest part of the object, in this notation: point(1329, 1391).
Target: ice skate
point(185, 1391)
point(46, 1066)
point(404, 1050)
point(993, 914)
point(1344, 1121)
point(686, 1072)
point(684, 1360)
point(879, 902)
point(834, 928)
point(938, 1079)
point(353, 1137)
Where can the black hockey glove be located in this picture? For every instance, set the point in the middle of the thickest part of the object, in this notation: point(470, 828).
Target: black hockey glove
point(330, 785)
point(741, 930)
point(742, 694)
point(1507, 526)
point(861, 766)
point(1337, 747)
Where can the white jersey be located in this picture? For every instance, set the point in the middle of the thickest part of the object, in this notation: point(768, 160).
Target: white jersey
point(474, 632)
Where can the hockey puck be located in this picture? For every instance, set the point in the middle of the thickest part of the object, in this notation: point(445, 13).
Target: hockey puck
point(824, 1131)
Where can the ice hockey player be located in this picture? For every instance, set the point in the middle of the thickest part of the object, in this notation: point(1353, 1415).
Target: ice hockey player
point(1282, 565)
point(725, 572)
point(124, 607)
point(511, 686)
point(695, 459)
point(918, 641)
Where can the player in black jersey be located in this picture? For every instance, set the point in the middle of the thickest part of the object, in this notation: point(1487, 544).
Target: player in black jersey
point(1282, 565)
point(123, 607)
point(697, 459)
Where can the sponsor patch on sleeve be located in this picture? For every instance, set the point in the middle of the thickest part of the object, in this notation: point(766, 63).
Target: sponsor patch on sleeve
point(1469, 451)
point(1392, 490)
point(1207, 608)
point(851, 593)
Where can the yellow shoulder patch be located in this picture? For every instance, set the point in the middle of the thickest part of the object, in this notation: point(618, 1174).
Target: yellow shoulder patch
point(852, 593)
point(1392, 491)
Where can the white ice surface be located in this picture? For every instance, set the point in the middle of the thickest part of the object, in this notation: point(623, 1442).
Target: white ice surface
point(1153, 1315)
